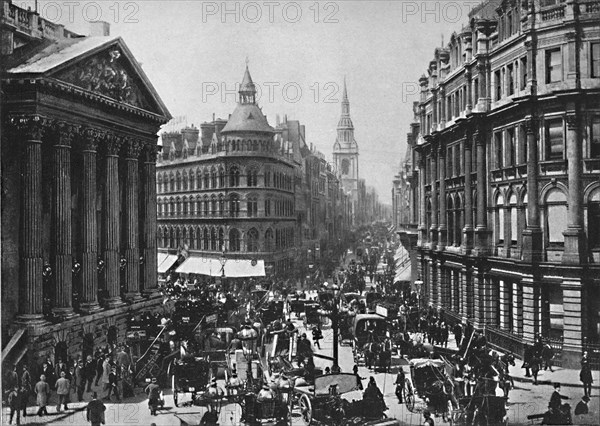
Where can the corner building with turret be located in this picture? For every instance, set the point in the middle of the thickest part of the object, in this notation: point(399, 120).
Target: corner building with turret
point(505, 176)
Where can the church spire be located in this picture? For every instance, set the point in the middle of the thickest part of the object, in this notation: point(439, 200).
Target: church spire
point(247, 89)
point(345, 122)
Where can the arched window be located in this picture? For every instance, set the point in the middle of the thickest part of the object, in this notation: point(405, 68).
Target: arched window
point(178, 203)
point(205, 239)
point(192, 180)
point(221, 205)
point(221, 241)
point(213, 239)
point(213, 205)
point(172, 179)
point(185, 206)
point(514, 220)
point(206, 179)
point(199, 179)
point(206, 206)
point(556, 216)
point(234, 205)
point(499, 220)
point(252, 204)
point(159, 185)
point(252, 240)
point(178, 181)
point(593, 215)
point(345, 166)
point(428, 217)
point(234, 176)
point(234, 240)
point(213, 178)
point(450, 220)
point(185, 181)
point(221, 177)
point(269, 240)
point(252, 177)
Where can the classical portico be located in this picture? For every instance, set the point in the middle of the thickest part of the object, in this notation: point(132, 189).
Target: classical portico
point(81, 158)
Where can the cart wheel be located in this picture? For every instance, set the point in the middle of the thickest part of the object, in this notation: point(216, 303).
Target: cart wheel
point(306, 410)
point(409, 396)
point(174, 390)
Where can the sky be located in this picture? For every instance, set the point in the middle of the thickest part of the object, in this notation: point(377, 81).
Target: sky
point(195, 53)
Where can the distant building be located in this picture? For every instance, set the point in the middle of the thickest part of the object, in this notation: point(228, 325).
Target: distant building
point(79, 121)
point(506, 158)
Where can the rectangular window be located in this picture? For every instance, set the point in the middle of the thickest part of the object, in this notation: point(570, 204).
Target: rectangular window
point(449, 165)
point(595, 54)
point(510, 147)
point(595, 138)
point(511, 80)
point(498, 83)
point(498, 150)
point(523, 72)
point(553, 66)
point(554, 140)
point(509, 24)
point(522, 145)
point(457, 165)
point(475, 91)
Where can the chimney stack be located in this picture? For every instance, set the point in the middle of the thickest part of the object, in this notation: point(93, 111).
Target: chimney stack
point(100, 29)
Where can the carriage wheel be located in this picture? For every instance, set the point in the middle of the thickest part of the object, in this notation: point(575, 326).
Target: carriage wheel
point(174, 390)
point(409, 396)
point(306, 410)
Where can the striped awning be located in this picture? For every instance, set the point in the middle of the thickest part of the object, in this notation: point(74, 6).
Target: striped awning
point(234, 268)
point(404, 273)
point(167, 263)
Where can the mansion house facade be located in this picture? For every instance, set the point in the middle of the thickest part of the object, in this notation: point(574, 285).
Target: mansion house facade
point(503, 181)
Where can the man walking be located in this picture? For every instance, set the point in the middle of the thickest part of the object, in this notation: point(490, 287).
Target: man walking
point(89, 371)
point(63, 387)
point(42, 390)
point(95, 411)
point(317, 335)
point(586, 378)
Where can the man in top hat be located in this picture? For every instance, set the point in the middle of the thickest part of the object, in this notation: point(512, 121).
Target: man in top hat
point(556, 398)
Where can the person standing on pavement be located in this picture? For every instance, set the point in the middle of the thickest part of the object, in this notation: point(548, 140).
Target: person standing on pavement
point(586, 378)
point(106, 368)
point(63, 387)
point(400, 379)
point(458, 331)
point(42, 390)
point(113, 381)
point(317, 335)
point(89, 371)
point(95, 411)
point(14, 404)
point(79, 380)
point(99, 367)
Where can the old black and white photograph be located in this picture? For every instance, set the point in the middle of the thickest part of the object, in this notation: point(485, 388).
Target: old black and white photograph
point(300, 213)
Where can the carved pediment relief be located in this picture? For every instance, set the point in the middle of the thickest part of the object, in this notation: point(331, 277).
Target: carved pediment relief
point(108, 73)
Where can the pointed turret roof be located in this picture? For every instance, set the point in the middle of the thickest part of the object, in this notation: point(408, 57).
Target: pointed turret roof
point(247, 83)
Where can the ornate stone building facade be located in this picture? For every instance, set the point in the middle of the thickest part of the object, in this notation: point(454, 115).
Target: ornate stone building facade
point(507, 150)
point(79, 146)
point(229, 189)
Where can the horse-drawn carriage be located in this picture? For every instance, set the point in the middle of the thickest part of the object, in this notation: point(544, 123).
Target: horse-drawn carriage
point(430, 383)
point(312, 314)
point(188, 375)
point(322, 403)
point(371, 343)
point(296, 305)
point(481, 410)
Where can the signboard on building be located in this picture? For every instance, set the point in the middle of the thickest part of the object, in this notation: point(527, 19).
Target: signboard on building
point(211, 319)
point(381, 310)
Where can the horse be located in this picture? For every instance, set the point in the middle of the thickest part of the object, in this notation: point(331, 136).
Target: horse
point(371, 352)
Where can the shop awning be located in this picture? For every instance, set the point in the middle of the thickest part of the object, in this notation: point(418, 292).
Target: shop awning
point(166, 264)
point(400, 253)
point(234, 268)
point(403, 273)
point(161, 257)
point(243, 268)
point(200, 266)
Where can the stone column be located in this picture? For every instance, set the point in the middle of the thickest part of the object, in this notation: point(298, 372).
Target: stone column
point(30, 131)
point(574, 318)
point(112, 227)
point(531, 309)
point(434, 197)
point(443, 227)
point(469, 93)
point(89, 263)
point(61, 218)
point(150, 277)
point(132, 150)
point(532, 235)
point(467, 243)
point(481, 231)
point(422, 201)
point(575, 251)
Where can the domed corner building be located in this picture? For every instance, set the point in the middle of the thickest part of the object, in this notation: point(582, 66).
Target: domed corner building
point(226, 196)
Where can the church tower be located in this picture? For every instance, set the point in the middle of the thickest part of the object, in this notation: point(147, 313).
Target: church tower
point(345, 150)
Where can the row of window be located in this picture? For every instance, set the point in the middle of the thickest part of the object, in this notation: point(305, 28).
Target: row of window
point(214, 239)
point(219, 178)
point(221, 206)
point(229, 145)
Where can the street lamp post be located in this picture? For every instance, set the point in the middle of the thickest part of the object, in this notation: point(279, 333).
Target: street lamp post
point(335, 325)
point(223, 261)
